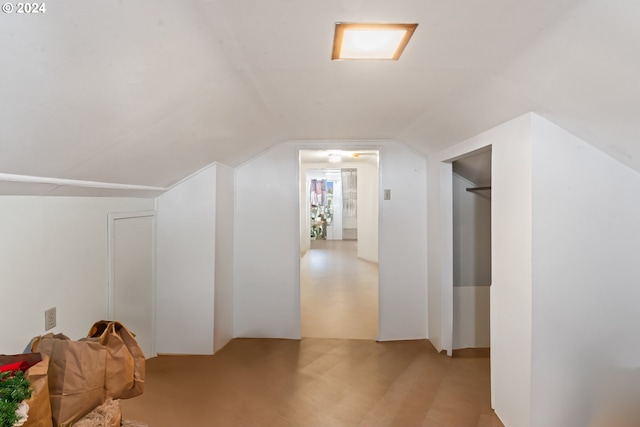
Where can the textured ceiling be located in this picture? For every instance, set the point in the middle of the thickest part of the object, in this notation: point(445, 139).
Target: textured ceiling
point(147, 92)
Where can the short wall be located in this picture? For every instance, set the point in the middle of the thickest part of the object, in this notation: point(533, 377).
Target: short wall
point(402, 245)
point(511, 300)
point(185, 266)
point(586, 321)
point(471, 317)
point(511, 290)
point(367, 212)
point(224, 227)
point(267, 257)
point(54, 254)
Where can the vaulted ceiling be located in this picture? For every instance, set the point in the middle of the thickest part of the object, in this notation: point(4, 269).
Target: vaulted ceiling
point(147, 92)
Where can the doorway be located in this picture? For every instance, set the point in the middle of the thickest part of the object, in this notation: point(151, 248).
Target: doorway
point(471, 193)
point(338, 243)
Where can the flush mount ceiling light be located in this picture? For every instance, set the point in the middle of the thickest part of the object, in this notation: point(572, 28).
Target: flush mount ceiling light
point(371, 41)
point(334, 158)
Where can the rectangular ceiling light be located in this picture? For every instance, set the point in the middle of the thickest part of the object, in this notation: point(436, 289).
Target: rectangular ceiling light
point(371, 41)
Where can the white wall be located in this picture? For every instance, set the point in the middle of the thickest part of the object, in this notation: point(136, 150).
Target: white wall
point(402, 246)
point(511, 289)
point(305, 211)
point(367, 212)
point(53, 253)
point(185, 266)
point(267, 267)
point(586, 246)
point(266, 255)
point(565, 326)
point(224, 227)
point(435, 238)
point(335, 229)
point(471, 317)
point(511, 262)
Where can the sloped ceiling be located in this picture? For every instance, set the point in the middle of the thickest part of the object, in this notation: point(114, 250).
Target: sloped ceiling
point(475, 168)
point(147, 92)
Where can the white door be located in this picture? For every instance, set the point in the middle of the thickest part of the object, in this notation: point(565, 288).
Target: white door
point(132, 275)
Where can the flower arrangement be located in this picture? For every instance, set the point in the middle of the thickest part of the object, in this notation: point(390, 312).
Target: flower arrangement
point(14, 389)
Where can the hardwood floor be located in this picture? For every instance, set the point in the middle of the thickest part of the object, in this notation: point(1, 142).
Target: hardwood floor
point(316, 382)
point(338, 292)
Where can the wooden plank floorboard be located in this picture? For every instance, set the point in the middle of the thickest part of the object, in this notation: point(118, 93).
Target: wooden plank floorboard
point(315, 382)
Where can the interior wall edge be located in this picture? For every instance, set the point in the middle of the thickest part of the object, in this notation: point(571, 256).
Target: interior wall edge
point(6, 177)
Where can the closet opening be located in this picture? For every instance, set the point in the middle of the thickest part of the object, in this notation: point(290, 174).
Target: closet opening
point(471, 254)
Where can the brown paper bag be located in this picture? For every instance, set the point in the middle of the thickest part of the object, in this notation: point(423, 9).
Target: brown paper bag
point(39, 407)
point(76, 376)
point(119, 375)
point(119, 342)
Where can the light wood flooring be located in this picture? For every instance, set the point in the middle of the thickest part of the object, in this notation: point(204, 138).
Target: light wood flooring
point(338, 292)
point(316, 382)
point(336, 376)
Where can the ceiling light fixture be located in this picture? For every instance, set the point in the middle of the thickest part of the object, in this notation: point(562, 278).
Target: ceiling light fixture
point(334, 158)
point(371, 41)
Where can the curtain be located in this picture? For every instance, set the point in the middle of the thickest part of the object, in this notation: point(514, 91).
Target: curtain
point(349, 192)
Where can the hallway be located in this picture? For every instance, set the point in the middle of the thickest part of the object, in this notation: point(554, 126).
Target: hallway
point(338, 292)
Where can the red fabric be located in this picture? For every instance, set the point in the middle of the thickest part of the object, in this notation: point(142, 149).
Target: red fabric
point(17, 366)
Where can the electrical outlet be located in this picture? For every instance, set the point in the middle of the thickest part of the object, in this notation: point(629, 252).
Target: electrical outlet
point(50, 319)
